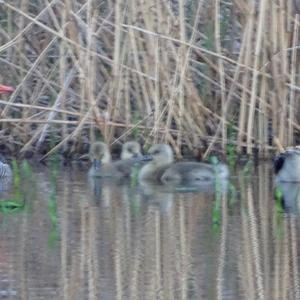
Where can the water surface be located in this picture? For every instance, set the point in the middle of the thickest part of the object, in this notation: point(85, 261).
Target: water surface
point(82, 239)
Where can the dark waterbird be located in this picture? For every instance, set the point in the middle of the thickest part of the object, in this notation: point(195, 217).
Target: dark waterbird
point(287, 165)
point(5, 170)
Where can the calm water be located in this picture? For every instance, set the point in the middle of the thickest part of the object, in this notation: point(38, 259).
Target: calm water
point(77, 239)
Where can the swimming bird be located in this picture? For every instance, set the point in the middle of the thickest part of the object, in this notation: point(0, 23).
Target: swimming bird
point(131, 157)
point(160, 157)
point(162, 169)
point(4, 89)
point(287, 165)
point(102, 165)
point(101, 161)
point(130, 150)
point(5, 170)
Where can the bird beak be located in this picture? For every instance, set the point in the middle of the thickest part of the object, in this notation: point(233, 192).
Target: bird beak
point(4, 89)
point(147, 158)
point(137, 155)
point(96, 164)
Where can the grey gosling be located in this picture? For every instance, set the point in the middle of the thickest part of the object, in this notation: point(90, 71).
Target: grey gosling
point(104, 167)
point(130, 150)
point(287, 165)
point(162, 169)
point(101, 161)
point(131, 157)
point(160, 157)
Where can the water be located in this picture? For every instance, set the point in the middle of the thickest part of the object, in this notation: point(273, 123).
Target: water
point(76, 239)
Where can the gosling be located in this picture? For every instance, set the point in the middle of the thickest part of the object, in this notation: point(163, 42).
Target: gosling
point(131, 157)
point(101, 161)
point(163, 169)
point(103, 165)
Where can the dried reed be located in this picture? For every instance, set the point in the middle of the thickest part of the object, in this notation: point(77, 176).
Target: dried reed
point(182, 71)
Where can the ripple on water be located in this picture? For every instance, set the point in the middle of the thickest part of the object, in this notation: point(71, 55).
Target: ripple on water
point(107, 239)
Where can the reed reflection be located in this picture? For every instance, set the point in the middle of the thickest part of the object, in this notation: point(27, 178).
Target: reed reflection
point(148, 242)
point(289, 195)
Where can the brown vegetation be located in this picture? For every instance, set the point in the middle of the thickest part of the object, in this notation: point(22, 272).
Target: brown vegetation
point(174, 71)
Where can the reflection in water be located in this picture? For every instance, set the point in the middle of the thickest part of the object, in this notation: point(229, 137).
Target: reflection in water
point(117, 241)
point(290, 195)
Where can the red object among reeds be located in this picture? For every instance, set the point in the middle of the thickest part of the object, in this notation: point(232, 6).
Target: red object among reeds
point(4, 89)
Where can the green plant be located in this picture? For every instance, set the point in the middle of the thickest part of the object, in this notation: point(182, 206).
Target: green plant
point(230, 146)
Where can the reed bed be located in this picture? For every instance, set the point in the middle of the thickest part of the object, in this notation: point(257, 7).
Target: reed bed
point(181, 72)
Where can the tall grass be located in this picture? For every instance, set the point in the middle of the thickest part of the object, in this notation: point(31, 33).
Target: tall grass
point(186, 70)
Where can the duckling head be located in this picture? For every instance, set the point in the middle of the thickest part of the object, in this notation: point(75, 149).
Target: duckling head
point(131, 150)
point(160, 154)
point(99, 154)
